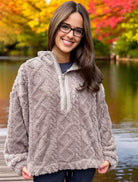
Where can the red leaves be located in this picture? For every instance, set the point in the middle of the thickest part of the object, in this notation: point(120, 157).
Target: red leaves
point(107, 16)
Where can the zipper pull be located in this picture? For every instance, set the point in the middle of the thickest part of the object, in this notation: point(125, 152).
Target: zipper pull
point(63, 76)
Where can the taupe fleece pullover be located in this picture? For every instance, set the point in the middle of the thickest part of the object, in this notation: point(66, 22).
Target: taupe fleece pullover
point(51, 125)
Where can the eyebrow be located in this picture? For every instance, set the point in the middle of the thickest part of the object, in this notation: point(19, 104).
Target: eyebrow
point(74, 27)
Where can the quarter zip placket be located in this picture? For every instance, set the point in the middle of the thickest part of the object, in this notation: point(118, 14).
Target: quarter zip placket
point(64, 88)
point(64, 92)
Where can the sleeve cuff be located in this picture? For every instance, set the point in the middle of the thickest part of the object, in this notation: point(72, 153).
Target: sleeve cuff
point(113, 162)
point(16, 162)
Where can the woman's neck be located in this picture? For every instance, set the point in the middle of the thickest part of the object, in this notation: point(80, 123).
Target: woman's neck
point(61, 56)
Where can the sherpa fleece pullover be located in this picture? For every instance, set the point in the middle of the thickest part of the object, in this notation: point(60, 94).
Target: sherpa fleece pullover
point(51, 125)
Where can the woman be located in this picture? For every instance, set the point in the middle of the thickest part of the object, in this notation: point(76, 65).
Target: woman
point(59, 126)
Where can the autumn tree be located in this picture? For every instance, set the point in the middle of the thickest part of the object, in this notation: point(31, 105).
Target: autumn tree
point(112, 18)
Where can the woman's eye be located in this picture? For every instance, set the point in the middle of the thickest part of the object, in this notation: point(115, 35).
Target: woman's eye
point(66, 27)
point(78, 31)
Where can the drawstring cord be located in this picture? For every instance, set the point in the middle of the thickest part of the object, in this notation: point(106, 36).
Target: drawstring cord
point(69, 173)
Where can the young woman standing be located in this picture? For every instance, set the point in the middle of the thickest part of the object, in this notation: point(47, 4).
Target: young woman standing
point(59, 125)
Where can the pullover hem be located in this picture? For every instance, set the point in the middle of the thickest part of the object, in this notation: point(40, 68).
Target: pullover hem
point(82, 164)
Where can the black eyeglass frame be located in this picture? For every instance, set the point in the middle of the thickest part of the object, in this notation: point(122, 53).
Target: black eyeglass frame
point(71, 29)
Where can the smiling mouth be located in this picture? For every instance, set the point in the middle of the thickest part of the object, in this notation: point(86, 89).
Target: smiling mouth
point(67, 43)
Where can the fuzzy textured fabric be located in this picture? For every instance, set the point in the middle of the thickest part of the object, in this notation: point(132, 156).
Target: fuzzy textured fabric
point(51, 125)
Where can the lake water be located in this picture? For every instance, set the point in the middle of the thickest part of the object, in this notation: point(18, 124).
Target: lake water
point(121, 88)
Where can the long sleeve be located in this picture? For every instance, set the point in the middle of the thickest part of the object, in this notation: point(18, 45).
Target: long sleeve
point(16, 145)
point(105, 126)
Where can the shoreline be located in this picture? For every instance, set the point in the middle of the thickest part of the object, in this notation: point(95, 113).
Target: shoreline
point(127, 59)
point(14, 58)
point(100, 58)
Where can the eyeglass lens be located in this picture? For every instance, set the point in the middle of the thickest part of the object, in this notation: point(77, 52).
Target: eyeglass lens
point(66, 28)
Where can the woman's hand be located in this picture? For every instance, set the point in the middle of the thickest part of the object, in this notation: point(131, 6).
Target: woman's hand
point(103, 167)
point(26, 174)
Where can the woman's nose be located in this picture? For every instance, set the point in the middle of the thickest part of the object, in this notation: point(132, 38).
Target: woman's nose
point(70, 34)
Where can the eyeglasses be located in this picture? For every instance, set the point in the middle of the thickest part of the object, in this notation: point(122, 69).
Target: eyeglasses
point(66, 28)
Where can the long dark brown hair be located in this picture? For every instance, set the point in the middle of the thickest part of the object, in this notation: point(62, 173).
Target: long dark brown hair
point(83, 54)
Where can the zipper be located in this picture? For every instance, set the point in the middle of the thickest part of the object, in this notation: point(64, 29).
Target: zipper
point(64, 89)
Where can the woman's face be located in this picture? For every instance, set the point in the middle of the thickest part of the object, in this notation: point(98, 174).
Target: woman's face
point(66, 42)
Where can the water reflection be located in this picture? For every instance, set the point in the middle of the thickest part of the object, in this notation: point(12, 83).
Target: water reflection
point(126, 135)
point(8, 71)
point(121, 87)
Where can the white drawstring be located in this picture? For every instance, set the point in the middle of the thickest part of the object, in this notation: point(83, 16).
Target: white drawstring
point(69, 173)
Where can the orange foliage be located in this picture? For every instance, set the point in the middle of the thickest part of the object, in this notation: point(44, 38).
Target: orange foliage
point(30, 14)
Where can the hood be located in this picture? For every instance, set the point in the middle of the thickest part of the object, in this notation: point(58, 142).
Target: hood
point(51, 57)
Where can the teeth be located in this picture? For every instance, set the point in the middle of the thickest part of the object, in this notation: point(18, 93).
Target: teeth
point(67, 42)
